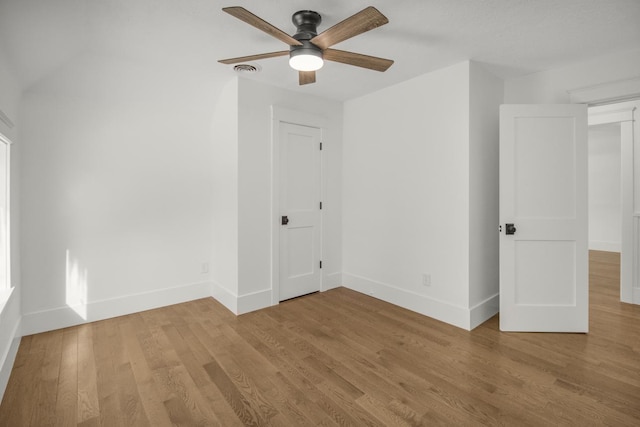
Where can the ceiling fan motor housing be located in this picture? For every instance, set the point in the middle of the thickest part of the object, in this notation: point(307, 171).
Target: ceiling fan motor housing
point(306, 21)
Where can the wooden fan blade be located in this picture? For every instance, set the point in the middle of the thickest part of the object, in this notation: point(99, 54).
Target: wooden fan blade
point(306, 77)
point(254, 57)
point(357, 59)
point(244, 15)
point(361, 22)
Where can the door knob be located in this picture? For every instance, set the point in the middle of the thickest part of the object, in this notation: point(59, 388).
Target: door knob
point(285, 220)
point(510, 229)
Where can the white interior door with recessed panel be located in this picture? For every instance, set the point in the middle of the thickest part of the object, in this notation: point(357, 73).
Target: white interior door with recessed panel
point(544, 283)
point(300, 220)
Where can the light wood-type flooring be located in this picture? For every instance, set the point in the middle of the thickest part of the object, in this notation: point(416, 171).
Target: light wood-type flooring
point(334, 358)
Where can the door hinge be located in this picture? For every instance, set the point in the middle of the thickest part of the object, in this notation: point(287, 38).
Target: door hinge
point(321, 146)
point(320, 205)
point(320, 264)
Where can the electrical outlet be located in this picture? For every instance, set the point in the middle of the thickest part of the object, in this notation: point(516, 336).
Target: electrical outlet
point(426, 279)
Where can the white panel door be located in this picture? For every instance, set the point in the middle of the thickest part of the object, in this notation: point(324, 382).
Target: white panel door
point(544, 280)
point(299, 210)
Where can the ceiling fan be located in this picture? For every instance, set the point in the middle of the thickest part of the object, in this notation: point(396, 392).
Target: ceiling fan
point(308, 49)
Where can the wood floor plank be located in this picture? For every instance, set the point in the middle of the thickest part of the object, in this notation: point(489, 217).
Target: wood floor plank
point(265, 378)
point(44, 413)
point(337, 358)
point(88, 405)
point(244, 410)
point(178, 412)
point(106, 377)
point(300, 391)
point(151, 396)
point(133, 412)
point(19, 398)
point(67, 400)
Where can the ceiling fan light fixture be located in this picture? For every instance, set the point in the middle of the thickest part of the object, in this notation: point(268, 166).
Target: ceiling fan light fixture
point(306, 59)
point(306, 62)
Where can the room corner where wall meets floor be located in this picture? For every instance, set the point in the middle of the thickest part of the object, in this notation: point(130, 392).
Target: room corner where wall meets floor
point(62, 317)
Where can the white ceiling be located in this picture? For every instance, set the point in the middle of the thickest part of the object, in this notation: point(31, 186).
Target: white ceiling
point(512, 37)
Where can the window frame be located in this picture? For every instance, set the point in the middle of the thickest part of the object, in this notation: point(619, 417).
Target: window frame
point(7, 286)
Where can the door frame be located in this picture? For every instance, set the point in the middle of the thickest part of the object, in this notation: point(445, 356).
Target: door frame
point(285, 115)
point(623, 114)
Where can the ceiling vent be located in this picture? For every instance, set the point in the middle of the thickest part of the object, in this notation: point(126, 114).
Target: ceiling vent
point(246, 68)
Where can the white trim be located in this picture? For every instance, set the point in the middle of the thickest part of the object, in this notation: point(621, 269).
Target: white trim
point(5, 295)
point(609, 92)
point(295, 117)
point(599, 117)
point(254, 301)
point(483, 311)
point(9, 358)
point(629, 238)
point(634, 289)
point(332, 281)
point(285, 115)
point(9, 335)
point(225, 297)
point(6, 120)
point(7, 141)
point(598, 245)
point(241, 304)
point(62, 317)
point(422, 304)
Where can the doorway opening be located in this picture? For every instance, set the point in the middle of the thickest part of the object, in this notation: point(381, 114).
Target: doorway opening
point(613, 216)
point(605, 209)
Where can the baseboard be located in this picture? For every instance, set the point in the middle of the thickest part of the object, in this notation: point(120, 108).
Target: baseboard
point(9, 339)
point(225, 297)
point(254, 301)
point(332, 281)
point(63, 317)
point(636, 295)
point(484, 311)
point(597, 245)
point(440, 310)
point(7, 364)
point(261, 299)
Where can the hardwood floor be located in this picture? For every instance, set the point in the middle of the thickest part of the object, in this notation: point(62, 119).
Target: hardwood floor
point(335, 358)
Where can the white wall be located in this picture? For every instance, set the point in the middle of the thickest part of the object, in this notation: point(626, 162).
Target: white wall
point(486, 95)
point(552, 86)
point(224, 259)
point(406, 197)
point(10, 310)
point(605, 203)
point(116, 190)
point(254, 185)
